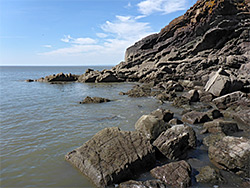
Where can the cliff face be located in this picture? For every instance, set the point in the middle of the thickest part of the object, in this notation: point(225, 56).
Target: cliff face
point(211, 34)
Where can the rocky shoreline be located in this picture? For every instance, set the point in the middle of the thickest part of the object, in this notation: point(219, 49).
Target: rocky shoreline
point(200, 63)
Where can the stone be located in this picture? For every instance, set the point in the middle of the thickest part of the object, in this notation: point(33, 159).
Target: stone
point(165, 115)
point(195, 117)
point(176, 174)
point(209, 175)
point(192, 96)
point(212, 139)
point(243, 116)
point(219, 125)
point(107, 77)
point(89, 100)
point(151, 126)
point(113, 156)
point(29, 80)
point(214, 114)
point(229, 99)
point(143, 184)
point(175, 141)
point(175, 121)
point(60, 77)
point(231, 153)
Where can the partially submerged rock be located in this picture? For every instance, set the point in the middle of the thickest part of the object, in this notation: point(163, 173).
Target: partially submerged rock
point(195, 117)
point(60, 77)
point(231, 153)
point(175, 141)
point(89, 100)
point(143, 184)
point(219, 125)
point(113, 156)
point(176, 174)
point(209, 175)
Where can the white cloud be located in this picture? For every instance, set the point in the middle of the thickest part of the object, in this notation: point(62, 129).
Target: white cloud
point(69, 39)
point(148, 7)
point(47, 46)
point(101, 35)
point(128, 5)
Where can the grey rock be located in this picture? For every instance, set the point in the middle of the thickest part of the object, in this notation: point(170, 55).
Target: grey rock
point(165, 115)
point(209, 175)
point(213, 138)
point(175, 141)
point(231, 153)
point(143, 184)
point(243, 116)
point(195, 117)
point(113, 156)
point(177, 174)
point(192, 96)
point(89, 100)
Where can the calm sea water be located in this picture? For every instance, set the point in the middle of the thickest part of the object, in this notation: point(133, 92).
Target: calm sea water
point(41, 122)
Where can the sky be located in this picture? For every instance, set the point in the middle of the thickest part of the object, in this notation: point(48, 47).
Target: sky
point(79, 32)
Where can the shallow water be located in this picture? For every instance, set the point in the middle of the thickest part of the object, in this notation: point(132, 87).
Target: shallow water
point(41, 122)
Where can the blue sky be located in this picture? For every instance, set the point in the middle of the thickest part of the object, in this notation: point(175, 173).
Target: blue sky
point(79, 32)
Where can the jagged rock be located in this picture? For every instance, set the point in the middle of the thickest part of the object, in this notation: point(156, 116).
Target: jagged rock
point(209, 175)
point(113, 156)
point(151, 126)
point(213, 138)
point(214, 114)
point(220, 84)
point(243, 116)
point(219, 125)
point(165, 115)
point(175, 141)
point(180, 101)
point(89, 100)
point(229, 99)
point(143, 184)
point(192, 96)
point(60, 77)
point(175, 121)
point(107, 77)
point(195, 117)
point(89, 76)
point(205, 96)
point(231, 153)
point(177, 174)
point(29, 80)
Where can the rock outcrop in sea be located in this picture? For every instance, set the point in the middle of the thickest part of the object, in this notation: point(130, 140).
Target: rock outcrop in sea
point(200, 62)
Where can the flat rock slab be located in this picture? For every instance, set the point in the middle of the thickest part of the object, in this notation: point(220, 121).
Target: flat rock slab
point(113, 156)
point(143, 184)
point(231, 153)
point(220, 125)
point(195, 117)
point(175, 141)
point(176, 174)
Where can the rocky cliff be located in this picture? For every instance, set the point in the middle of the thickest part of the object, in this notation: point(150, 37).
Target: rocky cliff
point(210, 35)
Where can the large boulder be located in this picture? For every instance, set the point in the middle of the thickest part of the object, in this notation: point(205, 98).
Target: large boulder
point(165, 115)
point(175, 141)
point(193, 95)
point(151, 126)
point(107, 77)
point(243, 116)
point(113, 156)
point(231, 153)
point(176, 174)
point(195, 117)
point(60, 77)
point(143, 184)
point(211, 139)
point(219, 125)
point(89, 76)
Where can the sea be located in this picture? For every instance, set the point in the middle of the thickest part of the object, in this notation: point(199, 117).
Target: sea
point(41, 122)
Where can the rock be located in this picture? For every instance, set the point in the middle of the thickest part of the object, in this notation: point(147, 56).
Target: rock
point(192, 96)
point(219, 125)
point(220, 84)
point(175, 141)
point(175, 121)
point(89, 100)
point(205, 96)
point(143, 184)
point(165, 115)
point(229, 99)
point(176, 174)
point(243, 116)
point(181, 101)
point(113, 156)
point(195, 117)
point(29, 80)
point(60, 77)
point(231, 153)
point(213, 138)
point(89, 76)
point(214, 114)
point(107, 77)
point(151, 126)
point(88, 71)
point(209, 175)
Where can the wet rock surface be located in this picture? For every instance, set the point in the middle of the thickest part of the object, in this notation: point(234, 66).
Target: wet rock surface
point(89, 100)
point(113, 156)
point(176, 174)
